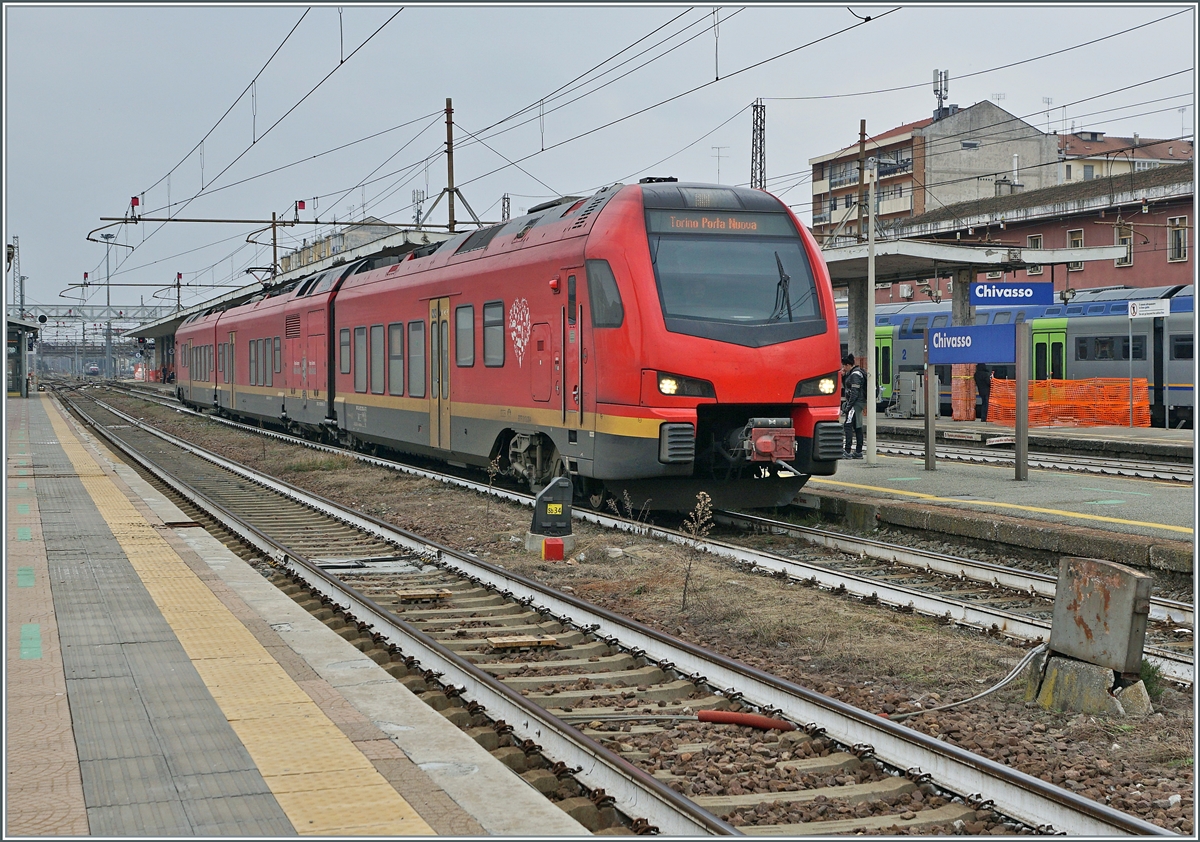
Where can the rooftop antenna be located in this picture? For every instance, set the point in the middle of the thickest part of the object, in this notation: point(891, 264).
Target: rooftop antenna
point(1048, 101)
point(1183, 121)
point(718, 156)
point(941, 87)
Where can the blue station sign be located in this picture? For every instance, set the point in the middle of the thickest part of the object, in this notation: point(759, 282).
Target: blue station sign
point(990, 294)
point(983, 344)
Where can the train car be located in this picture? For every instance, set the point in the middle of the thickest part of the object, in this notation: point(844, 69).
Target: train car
point(1085, 337)
point(654, 340)
point(196, 358)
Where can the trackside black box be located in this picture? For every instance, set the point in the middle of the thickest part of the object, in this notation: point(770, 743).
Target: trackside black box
point(552, 509)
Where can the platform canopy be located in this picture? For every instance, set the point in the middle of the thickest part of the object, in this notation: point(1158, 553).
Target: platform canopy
point(915, 260)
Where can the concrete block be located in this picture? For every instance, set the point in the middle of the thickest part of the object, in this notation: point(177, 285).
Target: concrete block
point(1135, 700)
point(861, 515)
point(533, 543)
point(1033, 675)
point(965, 524)
point(1176, 556)
point(1071, 685)
point(911, 517)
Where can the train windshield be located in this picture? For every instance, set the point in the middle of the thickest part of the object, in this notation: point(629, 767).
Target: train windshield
point(733, 276)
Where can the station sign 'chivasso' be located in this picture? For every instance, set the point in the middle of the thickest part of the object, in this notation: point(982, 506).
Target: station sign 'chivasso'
point(988, 294)
point(982, 344)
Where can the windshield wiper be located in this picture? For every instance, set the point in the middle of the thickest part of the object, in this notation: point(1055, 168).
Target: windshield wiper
point(783, 296)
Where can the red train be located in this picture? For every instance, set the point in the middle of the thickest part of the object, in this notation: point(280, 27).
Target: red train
point(657, 339)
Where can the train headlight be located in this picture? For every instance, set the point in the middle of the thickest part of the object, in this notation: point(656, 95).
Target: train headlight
point(826, 384)
point(688, 387)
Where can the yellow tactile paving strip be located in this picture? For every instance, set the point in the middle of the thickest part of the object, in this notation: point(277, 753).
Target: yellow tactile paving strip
point(324, 784)
point(43, 787)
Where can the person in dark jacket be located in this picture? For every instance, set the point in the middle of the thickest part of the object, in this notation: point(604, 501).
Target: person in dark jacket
point(983, 384)
point(854, 406)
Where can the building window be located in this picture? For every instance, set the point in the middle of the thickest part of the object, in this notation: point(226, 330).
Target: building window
point(464, 335)
point(970, 144)
point(493, 333)
point(995, 276)
point(1068, 172)
point(1075, 241)
point(1177, 238)
point(1089, 172)
point(1124, 238)
point(1034, 241)
point(360, 359)
point(1139, 166)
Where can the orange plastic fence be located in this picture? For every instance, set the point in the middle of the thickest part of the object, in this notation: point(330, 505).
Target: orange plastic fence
point(962, 392)
point(1097, 402)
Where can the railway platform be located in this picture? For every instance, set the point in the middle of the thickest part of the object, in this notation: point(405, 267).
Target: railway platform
point(1143, 523)
point(160, 686)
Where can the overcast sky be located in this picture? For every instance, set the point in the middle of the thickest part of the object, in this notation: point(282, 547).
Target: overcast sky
point(104, 103)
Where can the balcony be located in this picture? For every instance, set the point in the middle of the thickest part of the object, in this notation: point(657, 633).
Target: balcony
point(900, 204)
point(820, 187)
point(843, 178)
point(820, 218)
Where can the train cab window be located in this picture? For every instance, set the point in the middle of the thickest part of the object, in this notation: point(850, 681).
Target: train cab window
point(1002, 318)
point(940, 321)
point(603, 294)
point(278, 357)
point(571, 299)
point(1181, 347)
point(325, 284)
point(306, 286)
point(344, 349)
point(378, 359)
point(919, 325)
point(416, 359)
point(396, 358)
point(981, 318)
point(464, 335)
point(493, 333)
point(360, 359)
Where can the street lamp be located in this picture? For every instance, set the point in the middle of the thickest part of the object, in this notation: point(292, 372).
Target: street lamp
point(108, 363)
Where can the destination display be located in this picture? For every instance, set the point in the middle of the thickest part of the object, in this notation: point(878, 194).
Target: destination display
point(731, 223)
point(990, 294)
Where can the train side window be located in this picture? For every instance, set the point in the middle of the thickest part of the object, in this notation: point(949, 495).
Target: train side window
point(464, 335)
point(1053, 311)
point(360, 359)
point(604, 295)
point(221, 357)
point(278, 357)
point(416, 359)
point(1020, 316)
point(344, 349)
point(396, 358)
point(919, 325)
point(378, 359)
point(904, 326)
point(1104, 348)
point(940, 321)
point(981, 318)
point(1094, 309)
point(262, 363)
point(570, 299)
point(493, 333)
point(1056, 360)
point(1181, 347)
point(1002, 318)
point(1081, 348)
point(269, 350)
point(253, 351)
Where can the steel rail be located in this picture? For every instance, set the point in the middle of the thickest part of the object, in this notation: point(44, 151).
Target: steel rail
point(1078, 464)
point(1174, 666)
point(1014, 793)
point(1042, 584)
point(637, 793)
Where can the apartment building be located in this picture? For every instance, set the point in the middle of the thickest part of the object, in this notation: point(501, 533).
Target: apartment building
point(954, 156)
point(1088, 155)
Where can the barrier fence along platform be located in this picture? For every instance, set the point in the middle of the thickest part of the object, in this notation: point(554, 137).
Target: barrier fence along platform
point(1096, 402)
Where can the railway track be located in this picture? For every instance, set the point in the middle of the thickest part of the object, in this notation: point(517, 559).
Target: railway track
point(996, 600)
point(633, 713)
point(1168, 471)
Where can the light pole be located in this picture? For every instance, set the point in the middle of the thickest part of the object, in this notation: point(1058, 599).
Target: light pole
point(108, 362)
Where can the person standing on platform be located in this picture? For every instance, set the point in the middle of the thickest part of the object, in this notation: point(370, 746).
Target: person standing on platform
point(854, 406)
point(983, 384)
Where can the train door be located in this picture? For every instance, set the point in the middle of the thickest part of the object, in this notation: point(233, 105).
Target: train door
point(1049, 349)
point(229, 374)
point(883, 361)
point(317, 356)
point(1158, 368)
point(576, 341)
point(541, 363)
point(439, 373)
